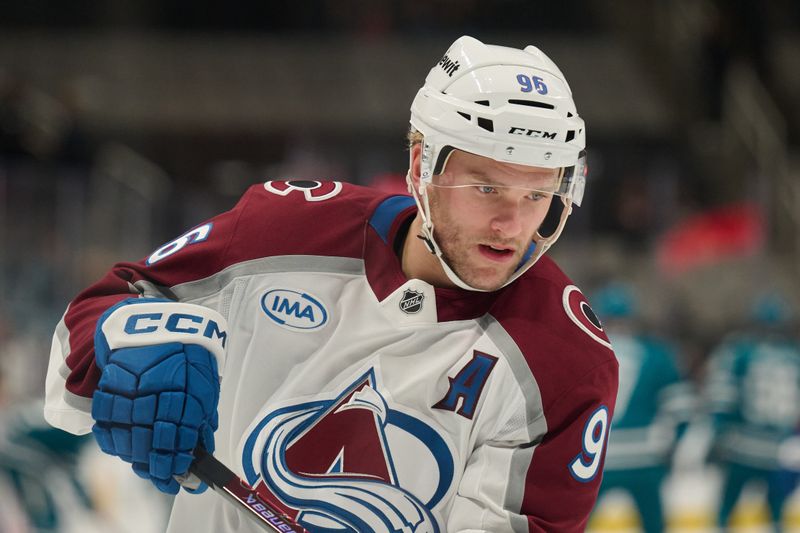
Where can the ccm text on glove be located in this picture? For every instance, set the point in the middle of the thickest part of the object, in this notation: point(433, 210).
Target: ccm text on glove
point(160, 364)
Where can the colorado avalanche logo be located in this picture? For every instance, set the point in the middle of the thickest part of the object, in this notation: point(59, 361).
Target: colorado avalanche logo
point(351, 464)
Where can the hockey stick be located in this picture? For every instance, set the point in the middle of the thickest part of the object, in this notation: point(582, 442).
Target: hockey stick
point(222, 480)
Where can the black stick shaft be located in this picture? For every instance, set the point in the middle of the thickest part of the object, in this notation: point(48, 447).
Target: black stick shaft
point(226, 483)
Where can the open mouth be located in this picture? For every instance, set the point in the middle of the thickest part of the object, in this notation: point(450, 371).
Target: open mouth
point(497, 253)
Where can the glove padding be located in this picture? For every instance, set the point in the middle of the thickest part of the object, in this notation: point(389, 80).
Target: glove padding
point(154, 404)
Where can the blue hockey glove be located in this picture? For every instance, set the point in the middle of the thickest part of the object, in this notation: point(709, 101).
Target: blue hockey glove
point(157, 397)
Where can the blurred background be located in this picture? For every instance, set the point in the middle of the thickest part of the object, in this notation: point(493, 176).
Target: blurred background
point(122, 124)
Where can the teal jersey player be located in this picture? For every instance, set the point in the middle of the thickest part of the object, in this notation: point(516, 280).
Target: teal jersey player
point(754, 396)
point(654, 403)
point(654, 406)
point(39, 475)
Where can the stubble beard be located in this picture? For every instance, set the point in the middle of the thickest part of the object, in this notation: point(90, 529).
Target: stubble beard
point(456, 252)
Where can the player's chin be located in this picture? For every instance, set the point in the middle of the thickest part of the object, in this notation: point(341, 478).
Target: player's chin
point(488, 279)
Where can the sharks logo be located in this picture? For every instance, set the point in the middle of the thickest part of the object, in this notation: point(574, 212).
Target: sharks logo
point(352, 463)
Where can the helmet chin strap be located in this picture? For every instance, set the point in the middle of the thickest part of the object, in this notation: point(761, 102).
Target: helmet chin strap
point(421, 198)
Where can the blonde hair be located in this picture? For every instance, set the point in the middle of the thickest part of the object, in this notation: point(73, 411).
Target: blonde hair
point(414, 136)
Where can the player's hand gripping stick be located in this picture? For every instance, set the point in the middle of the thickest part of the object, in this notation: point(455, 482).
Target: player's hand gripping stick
point(156, 400)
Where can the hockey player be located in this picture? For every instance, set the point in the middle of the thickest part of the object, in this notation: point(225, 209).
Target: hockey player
point(753, 391)
point(373, 362)
point(654, 405)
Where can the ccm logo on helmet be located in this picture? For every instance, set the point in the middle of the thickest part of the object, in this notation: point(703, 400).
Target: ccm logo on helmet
point(449, 65)
point(175, 323)
point(532, 133)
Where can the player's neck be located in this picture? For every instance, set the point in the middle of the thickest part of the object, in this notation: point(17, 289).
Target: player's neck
point(418, 262)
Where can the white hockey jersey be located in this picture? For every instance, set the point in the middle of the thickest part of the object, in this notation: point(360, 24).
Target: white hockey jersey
point(360, 399)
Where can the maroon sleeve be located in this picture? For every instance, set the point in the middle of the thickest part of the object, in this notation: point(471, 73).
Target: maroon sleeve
point(180, 260)
point(576, 375)
point(557, 498)
point(273, 218)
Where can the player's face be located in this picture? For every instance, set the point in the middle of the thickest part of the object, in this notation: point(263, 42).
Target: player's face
point(486, 213)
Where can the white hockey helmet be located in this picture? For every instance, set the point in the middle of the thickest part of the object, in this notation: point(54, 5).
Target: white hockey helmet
point(510, 105)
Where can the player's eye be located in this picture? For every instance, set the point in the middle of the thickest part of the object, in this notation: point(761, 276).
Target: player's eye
point(485, 189)
point(537, 196)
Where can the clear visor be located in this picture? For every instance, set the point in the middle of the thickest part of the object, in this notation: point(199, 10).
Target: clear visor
point(566, 182)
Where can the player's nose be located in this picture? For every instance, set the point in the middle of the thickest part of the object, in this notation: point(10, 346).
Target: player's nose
point(507, 220)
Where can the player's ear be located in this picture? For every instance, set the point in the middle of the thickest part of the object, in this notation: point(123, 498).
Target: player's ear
point(415, 155)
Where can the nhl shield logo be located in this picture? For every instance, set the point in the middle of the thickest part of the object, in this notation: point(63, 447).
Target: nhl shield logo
point(411, 302)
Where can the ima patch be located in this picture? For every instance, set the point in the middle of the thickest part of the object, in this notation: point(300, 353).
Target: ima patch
point(580, 312)
point(294, 310)
point(313, 190)
point(411, 302)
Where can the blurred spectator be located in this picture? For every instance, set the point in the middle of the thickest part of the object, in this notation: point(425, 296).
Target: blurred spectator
point(754, 396)
point(737, 31)
point(36, 124)
point(654, 404)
